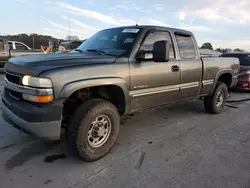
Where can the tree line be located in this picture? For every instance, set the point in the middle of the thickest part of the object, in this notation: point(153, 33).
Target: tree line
point(36, 40)
point(208, 45)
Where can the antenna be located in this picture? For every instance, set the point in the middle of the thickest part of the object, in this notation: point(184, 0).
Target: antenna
point(136, 22)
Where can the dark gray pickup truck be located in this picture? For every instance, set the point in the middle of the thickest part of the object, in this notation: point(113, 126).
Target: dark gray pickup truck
point(115, 72)
point(7, 51)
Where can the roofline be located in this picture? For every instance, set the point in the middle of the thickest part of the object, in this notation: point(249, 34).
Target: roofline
point(236, 53)
point(15, 41)
point(151, 26)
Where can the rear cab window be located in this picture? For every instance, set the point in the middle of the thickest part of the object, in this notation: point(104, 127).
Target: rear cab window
point(186, 46)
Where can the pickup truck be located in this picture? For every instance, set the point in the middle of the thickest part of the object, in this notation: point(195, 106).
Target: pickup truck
point(117, 71)
point(15, 45)
point(10, 49)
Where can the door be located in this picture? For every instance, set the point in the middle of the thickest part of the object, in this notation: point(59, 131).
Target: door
point(154, 83)
point(190, 66)
point(4, 55)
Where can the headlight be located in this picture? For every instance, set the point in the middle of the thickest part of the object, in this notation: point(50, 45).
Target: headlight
point(36, 82)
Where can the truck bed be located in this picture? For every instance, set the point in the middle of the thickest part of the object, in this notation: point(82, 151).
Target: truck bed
point(212, 70)
point(211, 67)
point(16, 53)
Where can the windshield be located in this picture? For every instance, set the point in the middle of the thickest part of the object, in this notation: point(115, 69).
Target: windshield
point(115, 42)
point(243, 58)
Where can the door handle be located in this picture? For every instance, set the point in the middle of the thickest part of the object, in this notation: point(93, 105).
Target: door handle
point(175, 68)
point(4, 52)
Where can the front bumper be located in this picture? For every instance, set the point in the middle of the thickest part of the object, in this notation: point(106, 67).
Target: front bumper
point(43, 122)
point(243, 85)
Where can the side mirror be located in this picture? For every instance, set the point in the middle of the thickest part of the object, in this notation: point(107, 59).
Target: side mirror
point(142, 56)
point(161, 51)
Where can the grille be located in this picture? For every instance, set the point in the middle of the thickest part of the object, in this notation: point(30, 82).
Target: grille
point(15, 95)
point(13, 78)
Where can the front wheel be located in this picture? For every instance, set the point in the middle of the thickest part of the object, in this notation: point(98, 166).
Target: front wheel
point(216, 102)
point(93, 129)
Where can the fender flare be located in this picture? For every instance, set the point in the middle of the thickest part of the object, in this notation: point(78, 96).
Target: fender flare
point(224, 71)
point(69, 88)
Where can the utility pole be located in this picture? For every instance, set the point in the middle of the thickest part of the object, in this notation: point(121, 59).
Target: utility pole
point(69, 29)
point(33, 42)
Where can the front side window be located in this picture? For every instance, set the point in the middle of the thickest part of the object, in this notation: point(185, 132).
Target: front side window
point(1, 45)
point(115, 42)
point(158, 36)
point(186, 46)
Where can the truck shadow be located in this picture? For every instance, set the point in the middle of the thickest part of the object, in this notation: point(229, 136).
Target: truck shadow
point(150, 121)
point(27, 153)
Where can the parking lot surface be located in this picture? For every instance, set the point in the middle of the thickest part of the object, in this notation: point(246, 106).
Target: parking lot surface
point(175, 146)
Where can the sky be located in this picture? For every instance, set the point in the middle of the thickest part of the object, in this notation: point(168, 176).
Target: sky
point(224, 23)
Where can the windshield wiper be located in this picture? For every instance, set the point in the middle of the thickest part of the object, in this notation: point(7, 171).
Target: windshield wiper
point(98, 51)
point(78, 50)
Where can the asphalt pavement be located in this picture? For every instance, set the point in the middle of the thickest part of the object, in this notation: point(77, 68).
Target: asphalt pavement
point(9, 136)
point(176, 146)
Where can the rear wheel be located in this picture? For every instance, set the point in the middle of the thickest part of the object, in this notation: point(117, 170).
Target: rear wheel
point(216, 102)
point(93, 129)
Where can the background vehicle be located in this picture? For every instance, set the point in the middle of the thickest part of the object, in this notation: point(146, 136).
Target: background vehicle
point(117, 71)
point(10, 49)
point(14, 45)
point(53, 46)
point(208, 53)
point(61, 46)
point(67, 46)
point(244, 75)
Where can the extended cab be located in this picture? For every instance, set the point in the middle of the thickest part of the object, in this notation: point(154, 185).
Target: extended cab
point(115, 72)
point(10, 49)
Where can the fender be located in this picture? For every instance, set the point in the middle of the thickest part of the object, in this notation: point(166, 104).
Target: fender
point(223, 71)
point(69, 88)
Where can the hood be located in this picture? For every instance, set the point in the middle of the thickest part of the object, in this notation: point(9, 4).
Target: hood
point(35, 64)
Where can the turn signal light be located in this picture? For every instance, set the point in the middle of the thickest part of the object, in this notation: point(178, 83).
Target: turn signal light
point(38, 99)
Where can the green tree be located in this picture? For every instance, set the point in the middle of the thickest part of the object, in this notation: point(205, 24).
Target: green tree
point(219, 50)
point(223, 50)
point(207, 45)
point(238, 50)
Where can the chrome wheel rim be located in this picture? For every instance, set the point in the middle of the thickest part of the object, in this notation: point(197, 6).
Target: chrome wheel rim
point(219, 98)
point(99, 131)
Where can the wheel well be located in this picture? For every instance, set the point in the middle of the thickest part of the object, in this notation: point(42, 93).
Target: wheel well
point(226, 78)
point(111, 93)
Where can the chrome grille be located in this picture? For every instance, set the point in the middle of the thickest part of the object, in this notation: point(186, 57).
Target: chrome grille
point(13, 78)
